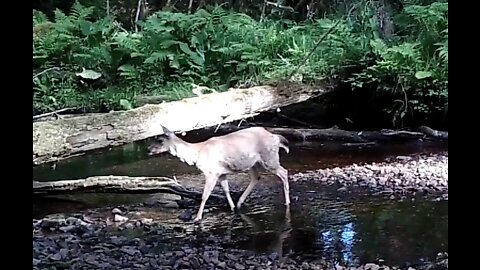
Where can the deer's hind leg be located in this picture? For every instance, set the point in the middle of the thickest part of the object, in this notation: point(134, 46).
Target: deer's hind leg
point(271, 162)
point(226, 189)
point(282, 173)
point(254, 177)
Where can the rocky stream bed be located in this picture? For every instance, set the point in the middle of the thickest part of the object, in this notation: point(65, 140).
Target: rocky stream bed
point(160, 234)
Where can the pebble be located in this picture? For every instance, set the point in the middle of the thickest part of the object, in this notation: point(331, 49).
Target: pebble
point(119, 218)
point(116, 211)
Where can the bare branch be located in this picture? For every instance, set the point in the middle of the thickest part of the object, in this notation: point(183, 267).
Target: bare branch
point(38, 116)
point(45, 71)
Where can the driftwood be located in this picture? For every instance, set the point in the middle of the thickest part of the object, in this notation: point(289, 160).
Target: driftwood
point(117, 184)
point(350, 136)
point(433, 133)
point(59, 139)
point(334, 133)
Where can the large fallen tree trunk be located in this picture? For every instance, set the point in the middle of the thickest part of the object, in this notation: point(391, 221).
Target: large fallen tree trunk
point(117, 184)
point(59, 139)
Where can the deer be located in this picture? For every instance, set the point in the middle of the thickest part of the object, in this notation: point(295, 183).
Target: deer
point(252, 150)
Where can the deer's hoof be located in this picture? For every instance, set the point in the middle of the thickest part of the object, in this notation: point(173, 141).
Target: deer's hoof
point(197, 220)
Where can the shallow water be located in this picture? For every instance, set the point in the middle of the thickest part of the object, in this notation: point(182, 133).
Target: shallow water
point(347, 230)
point(132, 159)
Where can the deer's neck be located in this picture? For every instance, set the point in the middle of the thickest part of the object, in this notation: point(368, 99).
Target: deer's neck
point(186, 152)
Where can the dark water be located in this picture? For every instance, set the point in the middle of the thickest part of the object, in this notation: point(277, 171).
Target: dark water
point(351, 231)
point(132, 159)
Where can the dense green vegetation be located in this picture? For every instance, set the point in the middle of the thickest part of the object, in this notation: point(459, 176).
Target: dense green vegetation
point(406, 70)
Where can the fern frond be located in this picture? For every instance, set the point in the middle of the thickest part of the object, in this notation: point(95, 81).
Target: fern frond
point(80, 12)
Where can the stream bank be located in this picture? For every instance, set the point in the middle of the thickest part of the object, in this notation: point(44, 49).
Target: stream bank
point(336, 218)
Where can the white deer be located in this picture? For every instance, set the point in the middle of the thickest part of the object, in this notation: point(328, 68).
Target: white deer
point(250, 149)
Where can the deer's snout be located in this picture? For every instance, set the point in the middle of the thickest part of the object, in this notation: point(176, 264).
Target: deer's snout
point(154, 149)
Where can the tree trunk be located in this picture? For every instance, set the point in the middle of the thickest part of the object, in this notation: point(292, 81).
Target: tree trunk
point(59, 139)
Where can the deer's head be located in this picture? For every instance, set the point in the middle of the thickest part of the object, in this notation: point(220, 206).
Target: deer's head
point(163, 143)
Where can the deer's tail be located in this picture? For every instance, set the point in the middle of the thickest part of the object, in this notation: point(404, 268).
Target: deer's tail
point(283, 143)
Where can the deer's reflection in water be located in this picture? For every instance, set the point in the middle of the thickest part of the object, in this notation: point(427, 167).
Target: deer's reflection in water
point(273, 240)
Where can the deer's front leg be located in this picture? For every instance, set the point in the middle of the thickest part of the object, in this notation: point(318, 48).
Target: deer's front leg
point(210, 182)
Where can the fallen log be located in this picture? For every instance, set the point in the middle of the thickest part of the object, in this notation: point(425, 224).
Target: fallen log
point(434, 133)
point(350, 136)
point(59, 139)
point(117, 184)
point(334, 133)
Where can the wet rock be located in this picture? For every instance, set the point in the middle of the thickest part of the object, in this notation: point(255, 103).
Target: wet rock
point(129, 250)
point(56, 257)
point(186, 216)
point(116, 211)
point(67, 228)
point(146, 221)
point(128, 226)
point(231, 257)
point(215, 260)
point(119, 218)
point(206, 258)
point(371, 266)
point(239, 266)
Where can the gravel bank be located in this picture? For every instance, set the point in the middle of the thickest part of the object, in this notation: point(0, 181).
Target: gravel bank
point(403, 174)
point(83, 243)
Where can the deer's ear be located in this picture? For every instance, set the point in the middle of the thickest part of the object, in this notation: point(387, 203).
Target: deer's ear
point(167, 132)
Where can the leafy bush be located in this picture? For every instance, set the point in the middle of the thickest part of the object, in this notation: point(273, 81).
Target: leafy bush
point(413, 70)
point(217, 48)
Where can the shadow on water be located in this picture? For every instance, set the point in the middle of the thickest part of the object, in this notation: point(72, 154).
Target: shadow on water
point(350, 231)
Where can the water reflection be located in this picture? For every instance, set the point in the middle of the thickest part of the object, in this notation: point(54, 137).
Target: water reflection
point(348, 234)
point(348, 238)
point(338, 244)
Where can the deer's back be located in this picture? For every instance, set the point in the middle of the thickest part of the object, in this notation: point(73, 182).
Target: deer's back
point(238, 150)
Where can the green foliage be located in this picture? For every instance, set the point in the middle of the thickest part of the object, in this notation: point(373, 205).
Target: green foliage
point(414, 69)
point(217, 48)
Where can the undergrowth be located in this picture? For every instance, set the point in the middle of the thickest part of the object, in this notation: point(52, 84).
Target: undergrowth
point(94, 64)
